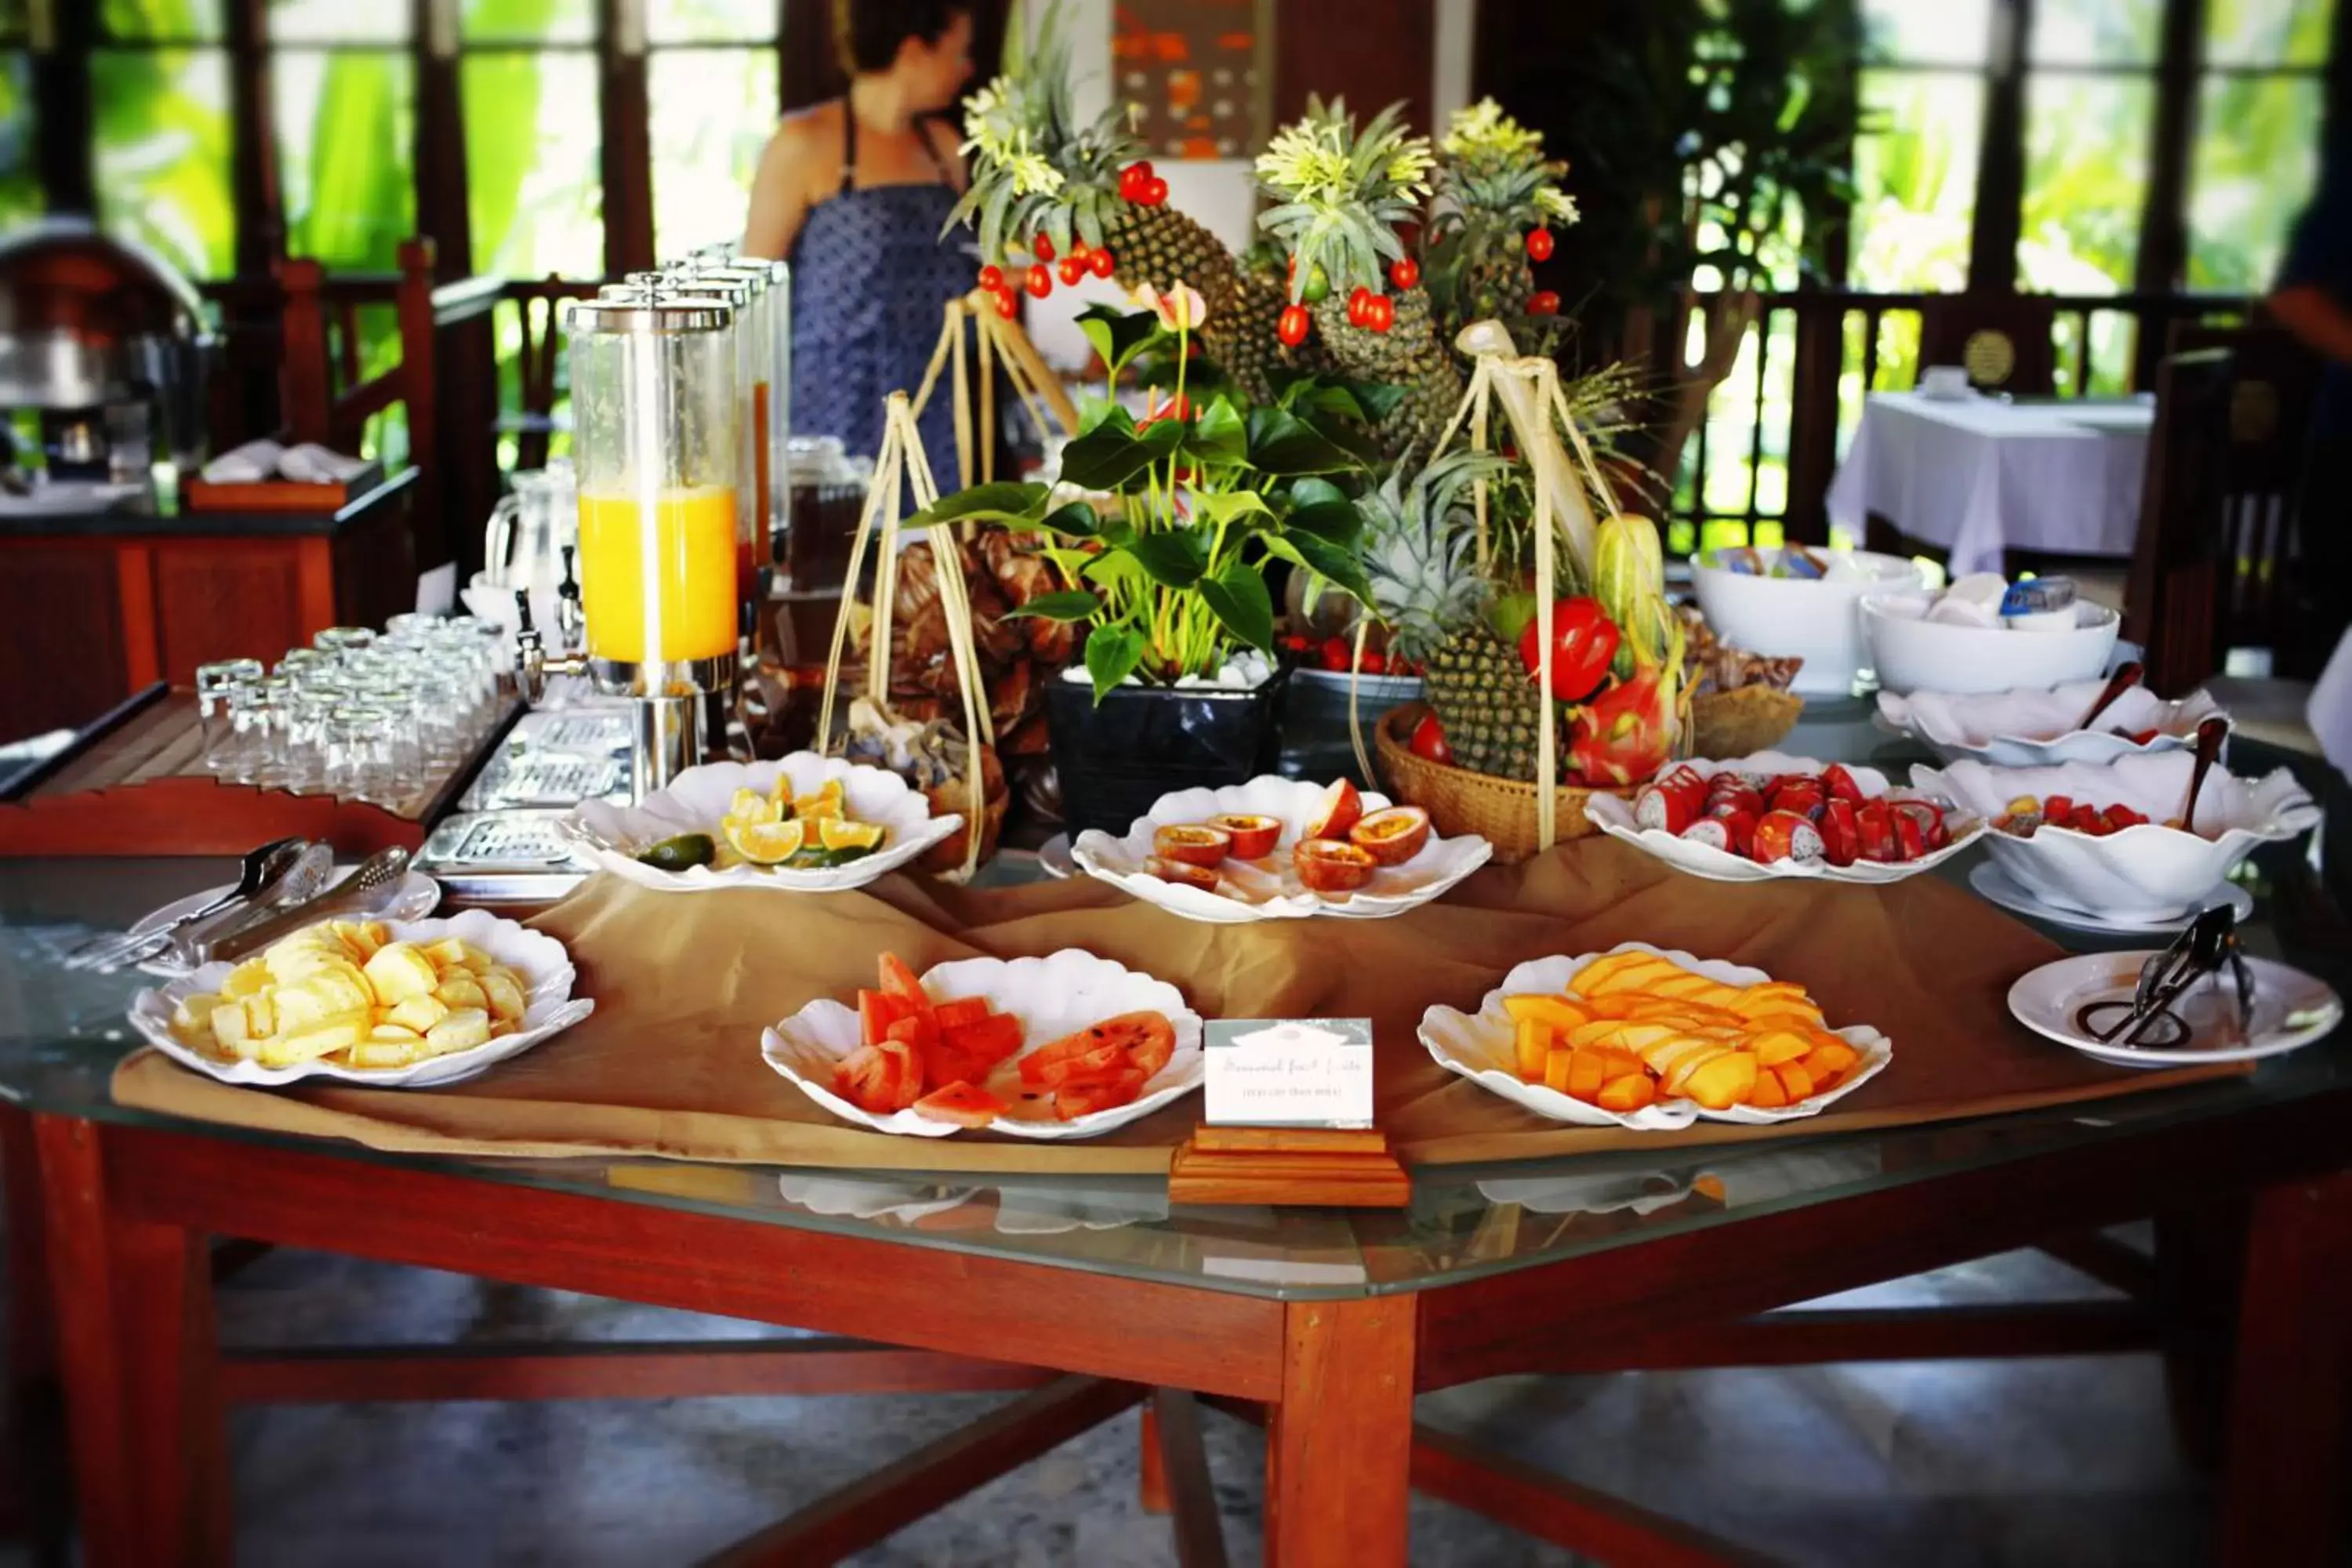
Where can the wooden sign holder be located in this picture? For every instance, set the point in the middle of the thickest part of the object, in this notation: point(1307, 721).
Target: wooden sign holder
point(1289, 1166)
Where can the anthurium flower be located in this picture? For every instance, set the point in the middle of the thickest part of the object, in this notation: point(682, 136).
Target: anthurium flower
point(1181, 310)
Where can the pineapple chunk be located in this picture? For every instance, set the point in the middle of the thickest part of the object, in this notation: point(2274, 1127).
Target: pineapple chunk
point(400, 971)
point(462, 1030)
point(193, 1014)
point(417, 1013)
point(460, 991)
point(502, 992)
point(381, 1054)
point(323, 1039)
point(247, 979)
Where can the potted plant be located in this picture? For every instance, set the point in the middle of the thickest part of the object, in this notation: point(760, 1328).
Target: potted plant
point(1163, 531)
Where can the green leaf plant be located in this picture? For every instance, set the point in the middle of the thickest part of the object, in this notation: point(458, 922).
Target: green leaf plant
point(1184, 513)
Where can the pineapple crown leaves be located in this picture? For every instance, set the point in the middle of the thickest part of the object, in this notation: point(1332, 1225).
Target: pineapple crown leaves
point(1341, 191)
point(1035, 167)
point(1495, 166)
point(1417, 543)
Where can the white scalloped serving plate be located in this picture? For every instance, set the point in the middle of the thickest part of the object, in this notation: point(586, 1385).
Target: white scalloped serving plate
point(1052, 997)
point(1613, 815)
point(2036, 727)
point(698, 798)
point(1482, 1046)
point(538, 958)
point(1269, 889)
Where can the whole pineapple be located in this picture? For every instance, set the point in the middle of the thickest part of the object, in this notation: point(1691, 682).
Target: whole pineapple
point(1036, 170)
point(1419, 548)
point(1487, 704)
point(1494, 186)
point(1342, 193)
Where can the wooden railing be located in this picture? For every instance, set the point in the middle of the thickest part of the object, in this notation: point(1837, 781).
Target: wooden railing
point(1778, 422)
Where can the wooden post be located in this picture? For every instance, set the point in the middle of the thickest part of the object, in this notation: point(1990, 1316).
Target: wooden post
point(2001, 155)
point(63, 113)
point(1338, 1447)
point(136, 1345)
point(255, 191)
point(626, 155)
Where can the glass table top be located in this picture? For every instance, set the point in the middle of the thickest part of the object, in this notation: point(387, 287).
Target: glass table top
point(61, 1034)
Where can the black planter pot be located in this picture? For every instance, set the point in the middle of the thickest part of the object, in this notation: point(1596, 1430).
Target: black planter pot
point(1143, 742)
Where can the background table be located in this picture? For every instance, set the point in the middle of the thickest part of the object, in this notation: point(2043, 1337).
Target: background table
point(1978, 476)
point(1090, 1293)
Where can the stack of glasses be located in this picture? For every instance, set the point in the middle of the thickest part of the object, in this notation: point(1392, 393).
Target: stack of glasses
point(359, 714)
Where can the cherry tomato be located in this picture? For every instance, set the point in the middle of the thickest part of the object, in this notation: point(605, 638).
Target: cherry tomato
point(1429, 741)
point(1379, 312)
point(1155, 191)
point(1544, 304)
point(1071, 269)
point(1405, 274)
point(1583, 642)
point(1357, 305)
point(991, 278)
point(1336, 653)
point(1102, 263)
point(1539, 244)
point(1041, 281)
point(1375, 663)
point(1296, 319)
point(1133, 179)
point(1044, 248)
point(1080, 250)
point(1008, 303)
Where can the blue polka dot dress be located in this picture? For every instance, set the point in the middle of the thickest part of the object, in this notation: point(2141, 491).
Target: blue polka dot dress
point(871, 279)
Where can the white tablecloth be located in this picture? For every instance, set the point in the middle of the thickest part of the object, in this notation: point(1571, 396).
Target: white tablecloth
point(1978, 476)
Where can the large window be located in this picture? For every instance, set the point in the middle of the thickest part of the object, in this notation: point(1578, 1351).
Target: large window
point(344, 112)
point(160, 154)
point(2258, 110)
point(528, 85)
point(712, 86)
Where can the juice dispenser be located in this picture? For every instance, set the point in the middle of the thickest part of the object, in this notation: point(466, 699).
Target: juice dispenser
point(657, 424)
point(767, 369)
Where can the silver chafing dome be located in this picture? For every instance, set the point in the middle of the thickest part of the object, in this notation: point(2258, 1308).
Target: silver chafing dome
point(87, 321)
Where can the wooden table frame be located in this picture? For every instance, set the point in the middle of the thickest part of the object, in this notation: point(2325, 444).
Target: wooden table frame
point(128, 1211)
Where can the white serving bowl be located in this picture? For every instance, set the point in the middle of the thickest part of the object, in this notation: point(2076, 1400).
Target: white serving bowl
point(538, 959)
point(1797, 617)
point(1912, 653)
point(1052, 997)
point(698, 798)
point(1269, 889)
point(2037, 729)
point(1483, 1048)
point(1613, 815)
point(2150, 872)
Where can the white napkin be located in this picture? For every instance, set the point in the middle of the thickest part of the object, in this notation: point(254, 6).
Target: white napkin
point(312, 464)
point(2329, 712)
point(245, 465)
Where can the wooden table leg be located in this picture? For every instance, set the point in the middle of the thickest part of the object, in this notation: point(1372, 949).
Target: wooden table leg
point(2282, 1506)
point(1338, 1444)
point(137, 1348)
point(38, 1476)
point(1152, 1484)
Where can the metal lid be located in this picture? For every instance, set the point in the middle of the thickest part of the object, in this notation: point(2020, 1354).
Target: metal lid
point(669, 313)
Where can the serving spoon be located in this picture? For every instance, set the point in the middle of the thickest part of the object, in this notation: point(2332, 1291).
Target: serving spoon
point(2127, 676)
point(2209, 736)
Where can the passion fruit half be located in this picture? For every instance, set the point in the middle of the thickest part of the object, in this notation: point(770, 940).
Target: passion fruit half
point(1328, 866)
point(1392, 834)
point(1340, 809)
point(1253, 836)
point(1182, 874)
point(1192, 843)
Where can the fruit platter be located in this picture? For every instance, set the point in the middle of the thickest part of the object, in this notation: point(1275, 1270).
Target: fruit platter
point(1277, 848)
point(1757, 818)
point(393, 1005)
point(2078, 722)
point(801, 824)
point(1068, 1046)
point(2123, 839)
point(1652, 1040)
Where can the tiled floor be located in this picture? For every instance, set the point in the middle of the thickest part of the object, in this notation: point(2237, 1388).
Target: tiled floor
point(2060, 1462)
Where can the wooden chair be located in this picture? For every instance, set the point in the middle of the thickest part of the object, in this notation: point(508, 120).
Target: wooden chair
point(2176, 563)
point(2003, 340)
point(535, 368)
point(321, 393)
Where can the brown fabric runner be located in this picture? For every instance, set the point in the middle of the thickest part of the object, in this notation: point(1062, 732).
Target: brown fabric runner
point(669, 1065)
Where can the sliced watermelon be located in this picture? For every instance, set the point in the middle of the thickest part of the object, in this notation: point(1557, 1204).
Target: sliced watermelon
point(961, 1103)
point(961, 1011)
point(877, 1011)
point(919, 1030)
point(1144, 1040)
point(985, 1043)
point(1072, 1100)
point(899, 981)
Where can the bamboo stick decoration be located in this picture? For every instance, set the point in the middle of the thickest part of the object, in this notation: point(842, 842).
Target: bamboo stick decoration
point(1000, 341)
point(903, 466)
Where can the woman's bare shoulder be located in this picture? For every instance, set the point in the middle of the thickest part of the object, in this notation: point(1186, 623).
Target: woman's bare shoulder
point(805, 131)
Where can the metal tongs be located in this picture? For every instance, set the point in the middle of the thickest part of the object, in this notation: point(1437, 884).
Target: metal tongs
point(2148, 1021)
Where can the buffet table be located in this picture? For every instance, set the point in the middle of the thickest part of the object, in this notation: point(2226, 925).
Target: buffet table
point(1979, 476)
point(1091, 1292)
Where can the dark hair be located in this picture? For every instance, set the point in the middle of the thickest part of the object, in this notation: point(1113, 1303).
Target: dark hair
point(869, 32)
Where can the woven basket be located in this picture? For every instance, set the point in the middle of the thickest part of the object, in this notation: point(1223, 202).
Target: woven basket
point(1741, 723)
point(1500, 811)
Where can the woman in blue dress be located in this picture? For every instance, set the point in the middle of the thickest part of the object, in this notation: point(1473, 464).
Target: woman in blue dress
point(855, 193)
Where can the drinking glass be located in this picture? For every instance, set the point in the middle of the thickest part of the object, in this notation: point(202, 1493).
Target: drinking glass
point(214, 685)
point(340, 640)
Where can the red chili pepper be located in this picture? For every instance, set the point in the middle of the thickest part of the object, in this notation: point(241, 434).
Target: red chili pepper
point(1583, 642)
point(1429, 740)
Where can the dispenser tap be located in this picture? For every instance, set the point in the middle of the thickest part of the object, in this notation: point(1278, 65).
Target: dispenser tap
point(533, 665)
point(571, 615)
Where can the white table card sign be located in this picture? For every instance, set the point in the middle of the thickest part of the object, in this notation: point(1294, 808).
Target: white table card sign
point(1295, 1072)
